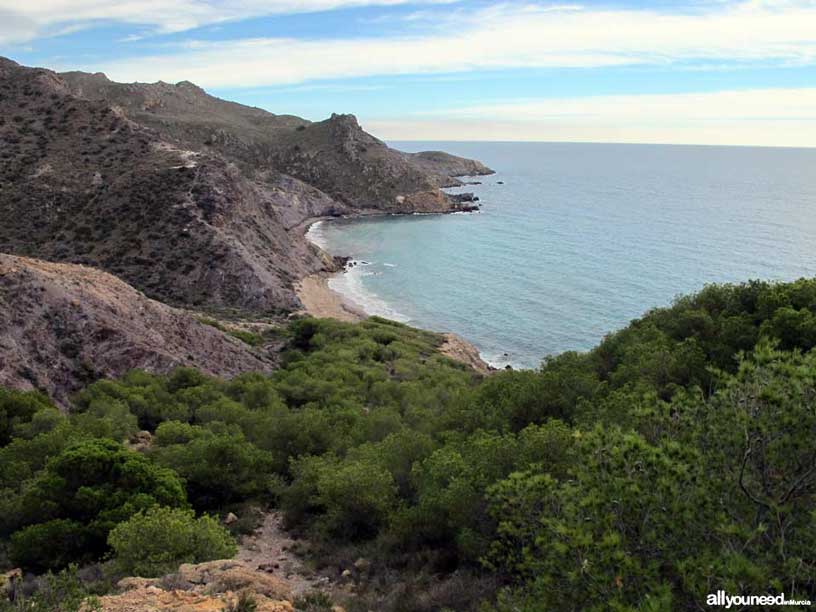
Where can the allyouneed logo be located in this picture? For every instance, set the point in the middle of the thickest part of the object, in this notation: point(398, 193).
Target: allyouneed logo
point(723, 600)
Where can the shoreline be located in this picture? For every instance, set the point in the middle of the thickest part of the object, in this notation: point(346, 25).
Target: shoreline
point(321, 301)
point(318, 299)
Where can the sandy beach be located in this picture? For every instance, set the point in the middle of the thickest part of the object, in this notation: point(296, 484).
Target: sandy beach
point(319, 300)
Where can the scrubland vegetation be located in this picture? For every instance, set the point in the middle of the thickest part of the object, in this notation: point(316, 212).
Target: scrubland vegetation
point(675, 459)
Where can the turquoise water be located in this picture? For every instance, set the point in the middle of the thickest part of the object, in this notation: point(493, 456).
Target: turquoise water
point(580, 239)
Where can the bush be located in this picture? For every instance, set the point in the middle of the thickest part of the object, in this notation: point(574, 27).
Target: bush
point(72, 505)
point(354, 497)
point(219, 469)
point(63, 592)
point(17, 408)
point(157, 541)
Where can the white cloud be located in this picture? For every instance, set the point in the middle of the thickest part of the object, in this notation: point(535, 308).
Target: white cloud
point(40, 16)
point(504, 36)
point(752, 104)
point(774, 117)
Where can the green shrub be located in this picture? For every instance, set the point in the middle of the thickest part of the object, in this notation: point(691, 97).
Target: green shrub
point(80, 496)
point(157, 541)
point(353, 497)
point(18, 408)
point(219, 469)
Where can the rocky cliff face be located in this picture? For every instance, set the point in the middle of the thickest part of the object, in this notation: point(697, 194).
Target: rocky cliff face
point(63, 326)
point(191, 199)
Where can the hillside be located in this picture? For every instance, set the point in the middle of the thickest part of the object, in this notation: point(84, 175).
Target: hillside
point(674, 459)
point(191, 199)
point(63, 326)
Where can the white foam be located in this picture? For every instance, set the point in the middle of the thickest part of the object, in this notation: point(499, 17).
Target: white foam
point(350, 285)
point(316, 236)
point(498, 361)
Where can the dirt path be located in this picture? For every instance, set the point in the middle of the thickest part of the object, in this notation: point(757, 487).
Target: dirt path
point(270, 549)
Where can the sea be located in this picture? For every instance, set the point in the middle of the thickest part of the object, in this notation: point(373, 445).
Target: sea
point(573, 241)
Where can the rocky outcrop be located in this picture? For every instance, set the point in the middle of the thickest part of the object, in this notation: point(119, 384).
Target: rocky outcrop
point(152, 598)
point(232, 575)
point(63, 326)
point(202, 587)
point(463, 351)
point(191, 199)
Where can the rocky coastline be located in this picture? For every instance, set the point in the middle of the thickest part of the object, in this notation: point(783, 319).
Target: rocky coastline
point(139, 218)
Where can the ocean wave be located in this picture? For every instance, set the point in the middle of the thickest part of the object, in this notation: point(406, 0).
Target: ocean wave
point(498, 360)
point(350, 285)
point(316, 236)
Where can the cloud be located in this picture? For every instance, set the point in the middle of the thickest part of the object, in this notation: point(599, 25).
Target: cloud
point(43, 17)
point(503, 36)
point(775, 117)
point(747, 105)
point(15, 28)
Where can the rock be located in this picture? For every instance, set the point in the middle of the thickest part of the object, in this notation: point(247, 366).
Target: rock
point(463, 351)
point(346, 573)
point(230, 575)
point(362, 565)
point(141, 441)
point(464, 197)
point(230, 519)
point(9, 581)
point(132, 582)
point(106, 328)
point(153, 599)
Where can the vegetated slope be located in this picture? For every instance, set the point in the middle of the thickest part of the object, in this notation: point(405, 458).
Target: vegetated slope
point(673, 460)
point(191, 199)
point(63, 326)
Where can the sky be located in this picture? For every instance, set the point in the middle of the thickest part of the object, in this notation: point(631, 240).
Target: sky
point(687, 72)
